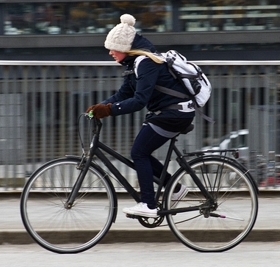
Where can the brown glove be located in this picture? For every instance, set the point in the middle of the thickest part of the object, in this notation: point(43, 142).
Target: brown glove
point(90, 108)
point(101, 110)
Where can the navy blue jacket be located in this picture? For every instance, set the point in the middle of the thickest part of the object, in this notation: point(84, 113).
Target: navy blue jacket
point(139, 92)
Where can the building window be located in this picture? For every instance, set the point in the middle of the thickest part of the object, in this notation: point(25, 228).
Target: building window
point(230, 15)
point(84, 17)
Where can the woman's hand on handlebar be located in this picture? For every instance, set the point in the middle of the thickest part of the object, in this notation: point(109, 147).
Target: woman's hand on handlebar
point(100, 110)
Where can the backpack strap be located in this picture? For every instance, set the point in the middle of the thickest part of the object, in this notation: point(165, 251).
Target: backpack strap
point(188, 76)
point(205, 117)
point(136, 63)
point(172, 92)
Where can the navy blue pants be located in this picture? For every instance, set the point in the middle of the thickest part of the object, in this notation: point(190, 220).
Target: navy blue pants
point(146, 142)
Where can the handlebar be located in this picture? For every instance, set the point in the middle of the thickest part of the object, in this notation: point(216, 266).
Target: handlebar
point(96, 122)
point(94, 127)
point(90, 114)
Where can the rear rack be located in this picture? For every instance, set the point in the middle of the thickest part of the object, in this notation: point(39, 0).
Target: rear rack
point(223, 152)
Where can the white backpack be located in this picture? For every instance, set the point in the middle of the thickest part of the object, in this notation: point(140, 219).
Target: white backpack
point(191, 76)
point(195, 82)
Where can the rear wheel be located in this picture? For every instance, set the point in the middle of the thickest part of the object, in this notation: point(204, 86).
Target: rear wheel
point(57, 227)
point(231, 218)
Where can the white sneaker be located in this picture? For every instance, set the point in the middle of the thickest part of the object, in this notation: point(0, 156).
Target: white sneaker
point(176, 197)
point(141, 209)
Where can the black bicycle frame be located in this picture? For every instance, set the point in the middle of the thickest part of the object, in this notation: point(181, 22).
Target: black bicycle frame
point(99, 154)
point(160, 181)
point(96, 149)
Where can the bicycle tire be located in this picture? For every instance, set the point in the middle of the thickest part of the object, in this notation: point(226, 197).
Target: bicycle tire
point(57, 228)
point(236, 211)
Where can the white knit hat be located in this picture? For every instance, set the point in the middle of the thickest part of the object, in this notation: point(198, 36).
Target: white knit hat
point(120, 38)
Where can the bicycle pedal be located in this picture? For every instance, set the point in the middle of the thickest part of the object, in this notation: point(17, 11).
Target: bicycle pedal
point(131, 216)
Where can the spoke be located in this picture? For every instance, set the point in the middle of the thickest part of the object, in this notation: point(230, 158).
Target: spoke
point(194, 217)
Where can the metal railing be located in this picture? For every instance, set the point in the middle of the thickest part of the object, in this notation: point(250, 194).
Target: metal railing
point(41, 100)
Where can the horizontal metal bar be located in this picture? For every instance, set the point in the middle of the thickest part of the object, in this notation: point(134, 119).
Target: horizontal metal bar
point(113, 63)
point(158, 39)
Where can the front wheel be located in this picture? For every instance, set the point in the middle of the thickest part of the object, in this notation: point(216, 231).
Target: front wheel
point(228, 221)
point(54, 225)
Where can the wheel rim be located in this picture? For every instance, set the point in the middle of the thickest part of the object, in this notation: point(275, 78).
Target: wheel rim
point(60, 229)
point(236, 206)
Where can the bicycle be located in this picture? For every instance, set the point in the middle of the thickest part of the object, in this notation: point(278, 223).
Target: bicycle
point(78, 202)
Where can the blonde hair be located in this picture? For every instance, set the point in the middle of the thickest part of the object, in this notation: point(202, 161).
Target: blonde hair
point(152, 56)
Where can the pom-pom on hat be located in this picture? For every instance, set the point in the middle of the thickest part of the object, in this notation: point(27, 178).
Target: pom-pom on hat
point(120, 38)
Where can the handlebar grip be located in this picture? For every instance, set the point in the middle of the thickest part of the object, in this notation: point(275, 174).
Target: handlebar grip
point(90, 114)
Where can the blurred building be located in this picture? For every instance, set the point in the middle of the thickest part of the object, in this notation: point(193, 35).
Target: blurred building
point(76, 30)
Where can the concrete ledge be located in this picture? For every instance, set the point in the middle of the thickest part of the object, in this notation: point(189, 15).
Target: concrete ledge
point(134, 236)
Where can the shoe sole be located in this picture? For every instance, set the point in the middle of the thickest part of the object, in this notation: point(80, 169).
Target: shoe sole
point(141, 214)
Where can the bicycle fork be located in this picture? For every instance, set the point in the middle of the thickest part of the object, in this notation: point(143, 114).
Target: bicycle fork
point(83, 166)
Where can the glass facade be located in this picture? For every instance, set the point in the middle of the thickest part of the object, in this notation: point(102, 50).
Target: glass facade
point(203, 30)
point(92, 17)
point(230, 15)
point(84, 17)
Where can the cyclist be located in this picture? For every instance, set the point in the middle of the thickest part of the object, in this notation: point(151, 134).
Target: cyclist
point(167, 116)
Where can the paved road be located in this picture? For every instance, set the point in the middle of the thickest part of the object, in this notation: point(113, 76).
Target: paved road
point(267, 227)
point(143, 254)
